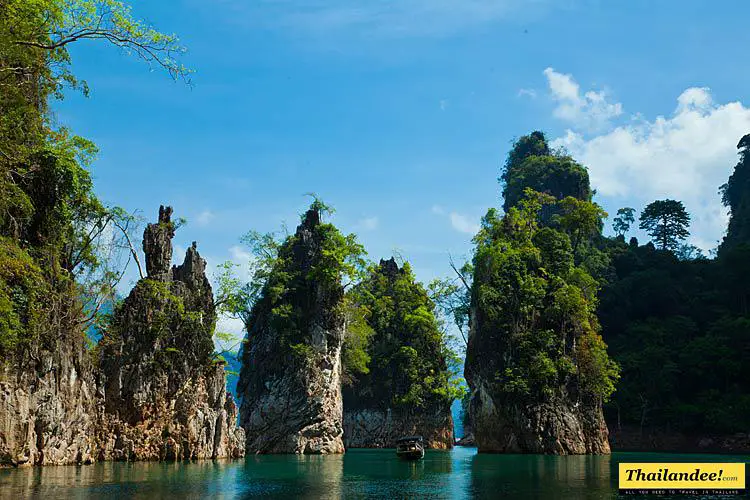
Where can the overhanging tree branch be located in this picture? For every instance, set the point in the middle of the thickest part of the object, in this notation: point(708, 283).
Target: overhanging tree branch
point(133, 251)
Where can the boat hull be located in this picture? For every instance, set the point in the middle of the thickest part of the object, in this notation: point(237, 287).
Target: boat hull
point(411, 454)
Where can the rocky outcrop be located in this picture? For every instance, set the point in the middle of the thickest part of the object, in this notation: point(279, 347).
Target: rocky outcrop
point(556, 426)
point(560, 424)
point(290, 383)
point(47, 407)
point(467, 440)
point(156, 392)
point(163, 395)
point(373, 428)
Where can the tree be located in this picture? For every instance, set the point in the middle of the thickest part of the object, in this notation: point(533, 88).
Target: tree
point(452, 296)
point(625, 218)
point(35, 63)
point(667, 222)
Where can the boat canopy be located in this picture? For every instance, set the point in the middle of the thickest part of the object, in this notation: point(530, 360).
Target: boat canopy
point(409, 439)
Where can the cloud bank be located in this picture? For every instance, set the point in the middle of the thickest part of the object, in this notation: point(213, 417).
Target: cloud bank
point(685, 155)
point(590, 110)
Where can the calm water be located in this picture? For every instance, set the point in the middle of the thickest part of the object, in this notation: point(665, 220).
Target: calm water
point(461, 473)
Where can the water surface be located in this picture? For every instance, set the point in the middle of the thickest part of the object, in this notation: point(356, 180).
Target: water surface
point(461, 473)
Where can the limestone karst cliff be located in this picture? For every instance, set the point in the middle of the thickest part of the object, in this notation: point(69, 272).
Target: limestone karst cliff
point(536, 365)
point(537, 373)
point(405, 387)
point(150, 390)
point(291, 364)
point(163, 394)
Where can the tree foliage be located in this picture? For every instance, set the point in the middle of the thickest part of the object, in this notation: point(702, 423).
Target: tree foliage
point(279, 282)
point(74, 246)
point(679, 330)
point(623, 221)
point(535, 306)
point(532, 164)
point(409, 361)
point(667, 222)
point(735, 195)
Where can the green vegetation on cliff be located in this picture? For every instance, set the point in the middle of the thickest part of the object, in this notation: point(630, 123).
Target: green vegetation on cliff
point(533, 295)
point(535, 307)
point(736, 197)
point(284, 278)
point(398, 356)
point(676, 322)
point(57, 263)
point(532, 164)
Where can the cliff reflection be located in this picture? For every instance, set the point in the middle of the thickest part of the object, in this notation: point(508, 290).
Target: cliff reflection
point(575, 476)
point(297, 476)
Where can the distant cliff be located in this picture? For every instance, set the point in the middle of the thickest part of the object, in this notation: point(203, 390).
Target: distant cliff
point(290, 382)
point(405, 387)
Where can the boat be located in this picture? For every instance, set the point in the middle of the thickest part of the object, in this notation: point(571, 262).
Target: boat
point(410, 448)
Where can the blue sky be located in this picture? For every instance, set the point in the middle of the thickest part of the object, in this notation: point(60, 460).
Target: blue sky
point(399, 113)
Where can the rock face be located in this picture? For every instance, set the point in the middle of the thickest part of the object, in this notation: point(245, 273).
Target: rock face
point(374, 428)
point(163, 396)
point(556, 427)
point(47, 408)
point(290, 383)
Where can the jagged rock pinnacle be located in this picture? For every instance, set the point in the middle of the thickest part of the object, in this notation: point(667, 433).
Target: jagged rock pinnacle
point(157, 244)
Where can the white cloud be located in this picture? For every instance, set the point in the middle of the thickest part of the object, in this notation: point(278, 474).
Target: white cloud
point(239, 255)
point(379, 18)
point(530, 93)
point(443, 104)
point(588, 111)
point(368, 223)
point(463, 223)
point(695, 98)
point(244, 261)
point(459, 222)
point(235, 326)
point(204, 218)
point(684, 156)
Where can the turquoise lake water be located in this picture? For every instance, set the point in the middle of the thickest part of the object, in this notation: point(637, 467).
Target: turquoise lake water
point(460, 473)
